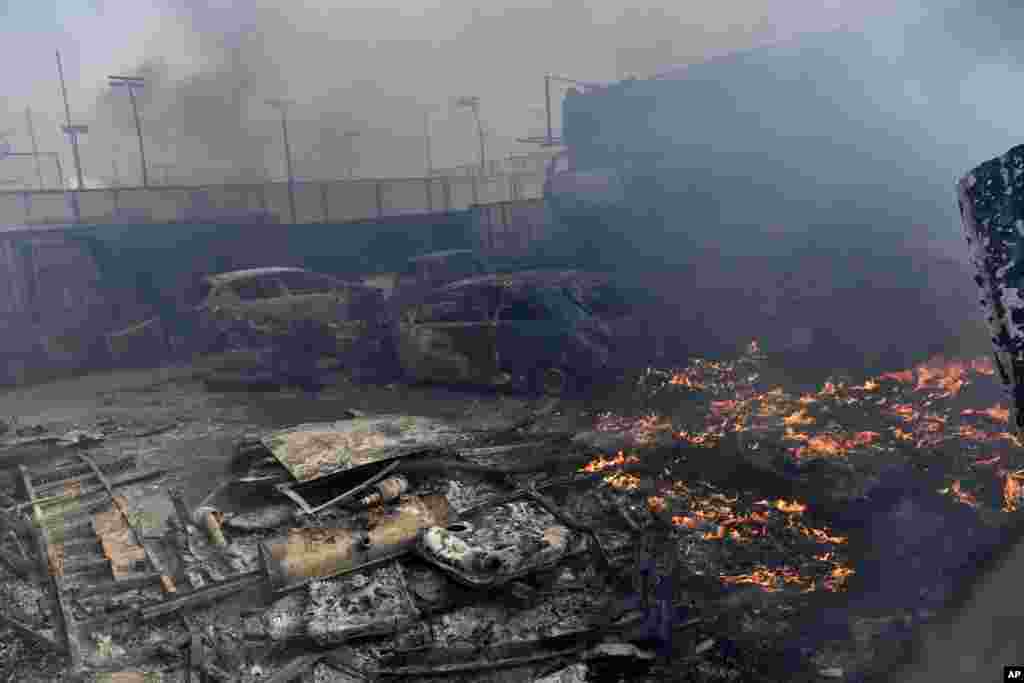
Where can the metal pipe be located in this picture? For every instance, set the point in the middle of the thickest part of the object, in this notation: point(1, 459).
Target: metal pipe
point(35, 145)
point(547, 105)
point(74, 143)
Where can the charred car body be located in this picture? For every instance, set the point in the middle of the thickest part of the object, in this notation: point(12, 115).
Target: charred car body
point(523, 331)
point(259, 308)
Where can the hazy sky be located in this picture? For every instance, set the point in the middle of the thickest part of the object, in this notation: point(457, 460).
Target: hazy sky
point(376, 67)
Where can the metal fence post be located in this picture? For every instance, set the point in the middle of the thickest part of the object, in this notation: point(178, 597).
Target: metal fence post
point(476, 190)
point(324, 203)
point(379, 190)
point(430, 199)
point(446, 192)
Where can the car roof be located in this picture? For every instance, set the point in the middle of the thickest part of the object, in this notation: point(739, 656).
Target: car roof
point(234, 275)
point(520, 279)
point(438, 255)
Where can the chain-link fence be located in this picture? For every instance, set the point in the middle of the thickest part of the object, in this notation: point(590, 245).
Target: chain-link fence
point(315, 201)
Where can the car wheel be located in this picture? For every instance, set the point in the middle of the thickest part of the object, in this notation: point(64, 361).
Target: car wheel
point(553, 382)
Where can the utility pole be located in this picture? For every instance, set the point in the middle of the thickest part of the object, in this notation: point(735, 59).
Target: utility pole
point(282, 106)
point(72, 132)
point(133, 83)
point(426, 141)
point(35, 145)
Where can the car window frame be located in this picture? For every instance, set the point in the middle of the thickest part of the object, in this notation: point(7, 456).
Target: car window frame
point(261, 281)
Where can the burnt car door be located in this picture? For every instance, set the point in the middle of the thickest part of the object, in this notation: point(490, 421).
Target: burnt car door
point(450, 337)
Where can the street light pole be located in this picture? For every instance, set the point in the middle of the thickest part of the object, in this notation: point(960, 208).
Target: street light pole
point(133, 82)
point(282, 106)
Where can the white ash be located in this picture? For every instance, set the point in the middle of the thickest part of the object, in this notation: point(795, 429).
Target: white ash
point(341, 607)
point(464, 495)
point(482, 624)
point(24, 600)
point(282, 620)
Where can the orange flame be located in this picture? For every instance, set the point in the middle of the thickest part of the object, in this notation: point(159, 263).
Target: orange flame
point(602, 463)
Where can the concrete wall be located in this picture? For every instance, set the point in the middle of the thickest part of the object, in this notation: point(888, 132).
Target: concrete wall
point(315, 201)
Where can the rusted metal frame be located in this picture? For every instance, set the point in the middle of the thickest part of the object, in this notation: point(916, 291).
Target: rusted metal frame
point(51, 478)
point(65, 622)
point(351, 493)
point(99, 488)
point(154, 566)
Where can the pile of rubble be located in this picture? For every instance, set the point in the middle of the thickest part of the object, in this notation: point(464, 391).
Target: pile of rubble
point(395, 546)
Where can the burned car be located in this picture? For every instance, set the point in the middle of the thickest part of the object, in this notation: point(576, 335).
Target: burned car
point(256, 308)
point(521, 331)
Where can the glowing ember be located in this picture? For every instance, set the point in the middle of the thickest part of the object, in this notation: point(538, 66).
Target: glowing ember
point(656, 504)
point(904, 410)
point(718, 408)
point(622, 480)
point(800, 418)
point(682, 379)
point(770, 580)
point(870, 385)
point(1013, 491)
point(904, 376)
point(983, 366)
point(791, 507)
point(829, 444)
point(817, 535)
point(603, 463)
point(996, 412)
point(960, 495)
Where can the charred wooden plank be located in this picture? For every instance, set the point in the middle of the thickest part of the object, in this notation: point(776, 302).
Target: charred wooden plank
point(27, 632)
point(119, 586)
point(294, 669)
point(202, 596)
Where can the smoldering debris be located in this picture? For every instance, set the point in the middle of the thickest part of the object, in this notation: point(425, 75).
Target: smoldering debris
point(395, 546)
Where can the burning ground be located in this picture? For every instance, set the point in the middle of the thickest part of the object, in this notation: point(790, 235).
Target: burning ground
point(890, 489)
